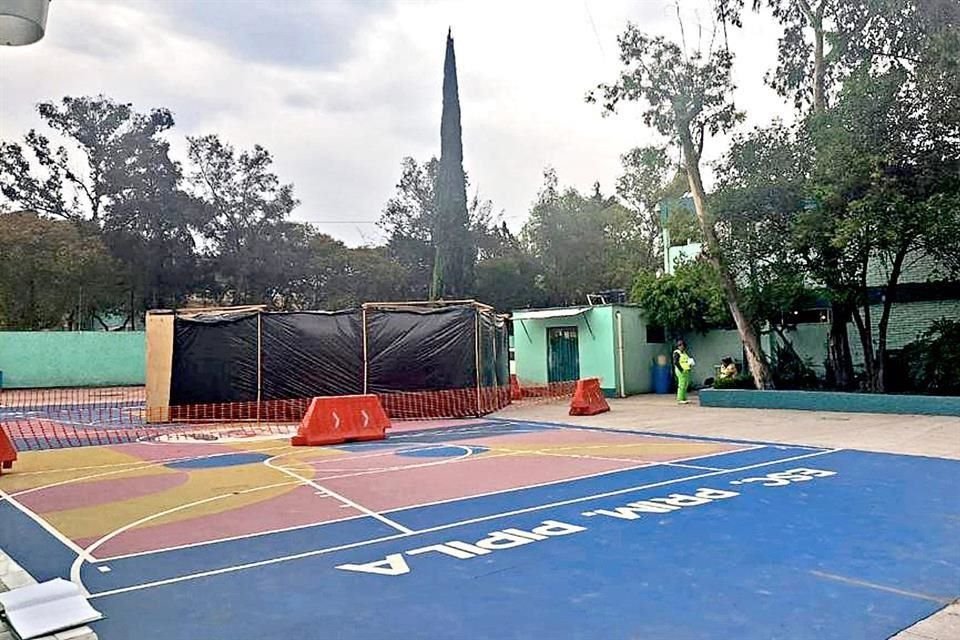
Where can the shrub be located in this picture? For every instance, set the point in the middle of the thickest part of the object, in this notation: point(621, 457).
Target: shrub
point(739, 381)
point(933, 359)
point(790, 372)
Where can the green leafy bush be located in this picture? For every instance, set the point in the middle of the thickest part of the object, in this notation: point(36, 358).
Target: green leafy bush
point(791, 372)
point(739, 381)
point(933, 359)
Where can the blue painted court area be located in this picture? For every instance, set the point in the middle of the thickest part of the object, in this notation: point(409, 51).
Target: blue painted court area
point(769, 542)
point(226, 460)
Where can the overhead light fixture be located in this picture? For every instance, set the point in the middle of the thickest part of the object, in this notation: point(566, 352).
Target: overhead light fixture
point(22, 21)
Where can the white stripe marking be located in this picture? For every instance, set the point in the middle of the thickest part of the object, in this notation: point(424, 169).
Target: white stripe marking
point(536, 485)
point(364, 543)
point(880, 587)
point(359, 507)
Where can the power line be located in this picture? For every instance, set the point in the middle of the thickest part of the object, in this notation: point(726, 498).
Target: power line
point(596, 34)
point(338, 221)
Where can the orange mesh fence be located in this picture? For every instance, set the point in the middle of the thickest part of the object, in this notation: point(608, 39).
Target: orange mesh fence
point(546, 392)
point(58, 418)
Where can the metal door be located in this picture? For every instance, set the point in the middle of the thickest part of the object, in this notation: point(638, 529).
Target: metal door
point(563, 354)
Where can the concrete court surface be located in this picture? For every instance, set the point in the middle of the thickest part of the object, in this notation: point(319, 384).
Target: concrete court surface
point(933, 436)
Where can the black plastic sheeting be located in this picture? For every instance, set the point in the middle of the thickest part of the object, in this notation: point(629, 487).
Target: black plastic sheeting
point(311, 354)
point(428, 350)
point(317, 353)
point(214, 359)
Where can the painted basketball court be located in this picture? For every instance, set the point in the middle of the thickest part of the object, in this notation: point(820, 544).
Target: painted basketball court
point(491, 528)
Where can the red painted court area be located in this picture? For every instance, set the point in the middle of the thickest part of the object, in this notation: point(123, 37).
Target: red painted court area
point(144, 497)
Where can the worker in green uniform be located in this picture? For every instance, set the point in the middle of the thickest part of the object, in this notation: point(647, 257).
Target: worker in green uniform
point(682, 364)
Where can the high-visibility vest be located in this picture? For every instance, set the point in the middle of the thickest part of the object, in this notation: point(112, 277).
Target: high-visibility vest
point(684, 359)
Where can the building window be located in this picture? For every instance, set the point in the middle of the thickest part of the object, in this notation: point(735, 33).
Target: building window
point(655, 334)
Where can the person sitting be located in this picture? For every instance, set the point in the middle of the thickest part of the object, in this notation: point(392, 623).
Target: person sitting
point(728, 369)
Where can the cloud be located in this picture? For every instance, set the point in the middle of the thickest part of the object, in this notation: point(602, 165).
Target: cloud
point(341, 92)
point(317, 33)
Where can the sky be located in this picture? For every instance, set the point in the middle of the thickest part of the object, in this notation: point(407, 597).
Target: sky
point(341, 91)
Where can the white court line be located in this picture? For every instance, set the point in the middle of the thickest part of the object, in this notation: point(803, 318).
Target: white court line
point(359, 507)
point(882, 587)
point(557, 453)
point(644, 465)
point(371, 471)
point(143, 463)
point(146, 464)
point(691, 466)
point(658, 434)
point(88, 552)
point(364, 543)
point(49, 528)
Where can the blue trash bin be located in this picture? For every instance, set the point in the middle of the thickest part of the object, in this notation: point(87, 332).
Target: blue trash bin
point(662, 376)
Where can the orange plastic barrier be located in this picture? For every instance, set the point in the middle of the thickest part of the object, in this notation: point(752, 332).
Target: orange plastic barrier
point(588, 398)
point(515, 392)
point(336, 419)
point(8, 453)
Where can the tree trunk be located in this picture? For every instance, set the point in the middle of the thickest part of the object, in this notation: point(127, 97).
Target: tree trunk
point(819, 72)
point(839, 358)
point(865, 329)
point(890, 292)
point(748, 333)
point(815, 18)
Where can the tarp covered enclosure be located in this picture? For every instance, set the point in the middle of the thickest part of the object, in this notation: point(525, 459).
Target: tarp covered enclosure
point(258, 356)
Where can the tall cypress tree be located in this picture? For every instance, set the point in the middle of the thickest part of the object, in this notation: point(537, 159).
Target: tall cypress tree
point(455, 253)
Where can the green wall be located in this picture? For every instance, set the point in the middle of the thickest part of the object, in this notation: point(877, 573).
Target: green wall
point(71, 358)
point(598, 349)
point(638, 354)
point(707, 350)
point(595, 334)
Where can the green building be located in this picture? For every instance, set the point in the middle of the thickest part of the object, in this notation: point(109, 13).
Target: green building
point(612, 342)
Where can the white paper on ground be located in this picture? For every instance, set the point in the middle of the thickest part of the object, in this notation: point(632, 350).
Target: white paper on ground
point(45, 608)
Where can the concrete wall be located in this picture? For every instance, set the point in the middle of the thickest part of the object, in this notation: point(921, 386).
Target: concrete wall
point(707, 350)
point(598, 348)
point(595, 334)
point(71, 359)
point(638, 354)
point(810, 341)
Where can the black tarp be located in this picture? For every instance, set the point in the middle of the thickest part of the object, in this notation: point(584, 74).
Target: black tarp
point(311, 353)
point(214, 359)
point(318, 353)
point(421, 349)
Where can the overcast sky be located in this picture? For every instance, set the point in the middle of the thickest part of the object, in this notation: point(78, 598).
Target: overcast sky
point(340, 92)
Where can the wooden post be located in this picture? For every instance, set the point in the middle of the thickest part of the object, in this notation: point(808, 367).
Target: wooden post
point(160, 331)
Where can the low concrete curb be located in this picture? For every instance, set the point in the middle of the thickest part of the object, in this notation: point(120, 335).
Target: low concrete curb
point(832, 401)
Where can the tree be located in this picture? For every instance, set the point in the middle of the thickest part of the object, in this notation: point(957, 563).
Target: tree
point(114, 171)
point(921, 37)
point(369, 276)
point(761, 185)
point(508, 277)
point(649, 178)
point(582, 242)
point(245, 207)
point(109, 143)
point(409, 219)
point(888, 178)
point(455, 253)
point(53, 273)
point(687, 97)
point(691, 299)
point(149, 227)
